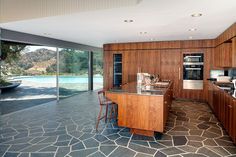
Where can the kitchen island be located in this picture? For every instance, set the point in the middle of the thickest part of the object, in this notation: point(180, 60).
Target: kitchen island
point(144, 111)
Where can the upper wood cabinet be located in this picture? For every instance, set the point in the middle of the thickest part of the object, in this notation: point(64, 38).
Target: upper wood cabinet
point(225, 55)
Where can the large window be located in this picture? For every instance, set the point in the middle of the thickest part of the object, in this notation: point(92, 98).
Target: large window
point(27, 76)
point(73, 72)
point(30, 74)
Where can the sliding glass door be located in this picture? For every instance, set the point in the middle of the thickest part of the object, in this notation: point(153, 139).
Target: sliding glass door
point(97, 70)
point(73, 72)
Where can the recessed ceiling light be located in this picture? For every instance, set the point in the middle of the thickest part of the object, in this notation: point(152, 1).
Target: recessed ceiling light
point(128, 21)
point(192, 29)
point(142, 32)
point(196, 15)
point(47, 34)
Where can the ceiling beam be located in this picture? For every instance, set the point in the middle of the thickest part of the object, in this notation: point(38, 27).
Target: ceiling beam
point(13, 36)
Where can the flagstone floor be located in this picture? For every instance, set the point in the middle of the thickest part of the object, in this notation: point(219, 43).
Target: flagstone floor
point(67, 129)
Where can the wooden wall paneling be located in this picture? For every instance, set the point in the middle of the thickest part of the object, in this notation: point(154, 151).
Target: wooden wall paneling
point(197, 44)
point(170, 66)
point(125, 67)
point(108, 70)
point(207, 68)
point(133, 65)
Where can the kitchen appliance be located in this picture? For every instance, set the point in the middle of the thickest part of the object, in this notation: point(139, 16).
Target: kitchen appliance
point(193, 68)
point(223, 79)
point(234, 82)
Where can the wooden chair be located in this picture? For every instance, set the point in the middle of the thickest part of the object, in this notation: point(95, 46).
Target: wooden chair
point(105, 102)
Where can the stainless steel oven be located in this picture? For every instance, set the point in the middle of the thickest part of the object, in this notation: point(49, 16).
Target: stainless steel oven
point(193, 68)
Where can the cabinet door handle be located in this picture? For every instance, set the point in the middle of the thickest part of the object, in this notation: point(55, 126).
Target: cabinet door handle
point(179, 73)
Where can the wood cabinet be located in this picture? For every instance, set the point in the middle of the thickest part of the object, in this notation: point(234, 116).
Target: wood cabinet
point(224, 56)
point(233, 110)
point(165, 62)
point(171, 68)
point(143, 113)
point(224, 107)
point(210, 94)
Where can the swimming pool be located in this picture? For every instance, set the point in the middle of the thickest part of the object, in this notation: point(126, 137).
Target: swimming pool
point(62, 79)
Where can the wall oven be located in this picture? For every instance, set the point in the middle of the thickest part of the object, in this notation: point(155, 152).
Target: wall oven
point(193, 68)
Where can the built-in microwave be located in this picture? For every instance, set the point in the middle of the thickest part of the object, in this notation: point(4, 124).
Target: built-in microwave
point(193, 71)
point(194, 58)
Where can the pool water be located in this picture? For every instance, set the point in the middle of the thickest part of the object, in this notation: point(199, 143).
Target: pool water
point(62, 79)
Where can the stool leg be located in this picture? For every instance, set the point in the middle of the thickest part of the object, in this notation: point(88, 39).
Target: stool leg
point(111, 111)
point(106, 112)
point(99, 117)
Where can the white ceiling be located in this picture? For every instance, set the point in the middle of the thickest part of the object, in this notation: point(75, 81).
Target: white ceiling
point(161, 19)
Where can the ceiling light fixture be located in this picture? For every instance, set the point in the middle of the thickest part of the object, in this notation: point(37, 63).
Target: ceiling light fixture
point(190, 37)
point(142, 33)
point(47, 34)
point(196, 15)
point(192, 29)
point(128, 21)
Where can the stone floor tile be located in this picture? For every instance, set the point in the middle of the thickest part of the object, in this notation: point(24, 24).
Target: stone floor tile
point(83, 153)
point(107, 149)
point(49, 149)
point(62, 151)
point(100, 138)
point(113, 137)
point(123, 141)
point(207, 152)
point(142, 155)
point(142, 149)
point(159, 154)
point(142, 143)
point(42, 155)
point(193, 155)
point(3, 149)
point(9, 154)
point(122, 152)
point(89, 143)
point(144, 138)
point(97, 154)
point(171, 151)
point(78, 146)
point(24, 155)
point(18, 147)
point(179, 140)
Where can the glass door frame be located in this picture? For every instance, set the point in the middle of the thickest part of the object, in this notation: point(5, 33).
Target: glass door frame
point(90, 72)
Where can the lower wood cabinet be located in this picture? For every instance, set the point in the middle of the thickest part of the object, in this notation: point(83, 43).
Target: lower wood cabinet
point(224, 107)
point(233, 131)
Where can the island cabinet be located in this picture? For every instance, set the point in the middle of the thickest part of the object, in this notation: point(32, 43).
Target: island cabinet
point(224, 107)
point(144, 112)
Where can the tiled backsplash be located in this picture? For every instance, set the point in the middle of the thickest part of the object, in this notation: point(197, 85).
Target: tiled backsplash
point(232, 73)
point(215, 73)
point(228, 72)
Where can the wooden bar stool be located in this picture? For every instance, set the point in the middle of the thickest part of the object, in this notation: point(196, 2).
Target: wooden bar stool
point(105, 102)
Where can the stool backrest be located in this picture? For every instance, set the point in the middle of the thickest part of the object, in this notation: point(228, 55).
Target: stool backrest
point(101, 97)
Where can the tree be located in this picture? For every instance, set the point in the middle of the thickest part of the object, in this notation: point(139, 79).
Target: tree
point(10, 53)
